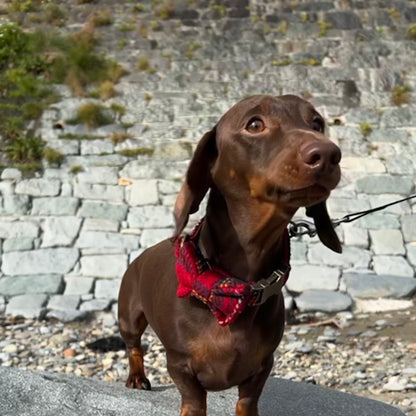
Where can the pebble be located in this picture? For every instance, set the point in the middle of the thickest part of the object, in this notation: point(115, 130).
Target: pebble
point(375, 366)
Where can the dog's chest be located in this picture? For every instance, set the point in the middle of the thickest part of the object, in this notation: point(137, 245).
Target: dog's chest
point(222, 357)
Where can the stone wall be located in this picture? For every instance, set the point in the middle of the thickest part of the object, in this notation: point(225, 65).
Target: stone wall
point(68, 235)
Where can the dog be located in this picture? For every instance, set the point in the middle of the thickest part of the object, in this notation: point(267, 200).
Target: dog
point(214, 297)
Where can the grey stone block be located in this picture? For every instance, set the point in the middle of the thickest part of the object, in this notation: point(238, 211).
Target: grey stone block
point(18, 229)
point(323, 300)
point(96, 147)
point(43, 394)
point(367, 286)
point(385, 184)
point(298, 250)
point(99, 174)
point(409, 228)
point(39, 187)
point(107, 289)
point(18, 244)
point(387, 242)
point(106, 266)
point(94, 209)
point(60, 231)
point(64, 302)
point(398, 117)
point(143, 192)
point(400, 165)
point(351, 257)
point(411, 254)
point(23, 285)
point(101, 224)
point(111, 193)
point(392, 265)
point(150, 216)
point(78, 285)
point(11, 174)
point(344, 20)
point(67, 315)
point(28, 306)
point(379, 221)
point(95, 305)
point(43, 261)
point(313, 277)
point(16, 204)
point(354, 236)
point(153, 236)
point(100, 239)
point(62, 205)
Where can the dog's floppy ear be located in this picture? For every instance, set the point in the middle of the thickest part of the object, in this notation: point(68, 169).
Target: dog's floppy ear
point(197, 181)
point(324, 227)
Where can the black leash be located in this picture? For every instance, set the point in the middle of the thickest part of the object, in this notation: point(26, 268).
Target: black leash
point(306, 227)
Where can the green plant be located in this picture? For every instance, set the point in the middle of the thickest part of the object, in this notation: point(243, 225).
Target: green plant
point(52, 156)
point(76, 169)
point(163, 9)
point(25, 149)
point(400, 94)
point(22, 6)
point(120, 137)
point(107, 90)
point(324, 26)
point(394, 13)
point(92, 115)
point(282, 28)
point(138, 8)
point(54, 15)
point(365, 129)
point(283, 62)
point(139, 151)
point(143, 64)
point(219, 8)
point(308, 62)
point(192, 48)
point(102, 17)
point(304, 17)
point(411, 32)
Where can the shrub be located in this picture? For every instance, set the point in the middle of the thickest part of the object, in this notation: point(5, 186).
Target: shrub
point(411, 32)
point(52, 156)
point(400, 94)
point(25, 149)
point(366, 129)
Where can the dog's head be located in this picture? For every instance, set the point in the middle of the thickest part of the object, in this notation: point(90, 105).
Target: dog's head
point(269, 149)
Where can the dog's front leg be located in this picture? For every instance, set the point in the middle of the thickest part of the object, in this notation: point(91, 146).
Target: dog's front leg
point(194, 396)
point(249, 392)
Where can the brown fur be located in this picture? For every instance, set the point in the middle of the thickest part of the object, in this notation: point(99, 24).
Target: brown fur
point(257, 180)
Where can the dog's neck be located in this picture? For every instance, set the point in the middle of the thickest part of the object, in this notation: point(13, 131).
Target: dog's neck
point(243, 240)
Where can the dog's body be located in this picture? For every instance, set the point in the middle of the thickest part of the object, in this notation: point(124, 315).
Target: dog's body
point(266, 157)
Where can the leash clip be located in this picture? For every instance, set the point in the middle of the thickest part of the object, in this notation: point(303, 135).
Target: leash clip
point(303, 227)
point(272, 285)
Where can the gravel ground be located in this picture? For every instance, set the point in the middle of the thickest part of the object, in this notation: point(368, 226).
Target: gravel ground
point(373, 355)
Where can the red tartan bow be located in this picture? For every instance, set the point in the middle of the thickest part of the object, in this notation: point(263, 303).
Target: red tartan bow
point(226, 296)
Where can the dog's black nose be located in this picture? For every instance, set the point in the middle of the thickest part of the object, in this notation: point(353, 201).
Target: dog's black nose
point(322, 157)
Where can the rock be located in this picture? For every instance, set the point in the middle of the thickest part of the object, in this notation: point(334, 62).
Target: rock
point(60, 231)
point(69, 353)
point(95, 305)
point(43, 261)
point(10, 174)
point(77, 285)
point(107, 289)
point(366, 286)
point(111, 193)
point(154, 236)
point(392, 265)
point(96, 147)
point(67, 315)
point(101, 224)
point(18, 229)
point(385, 184)
point(38, 187)
point(99, 174)
point(99, 239)
point(109, 266)
point(62, 205)
point(313, 277)
point(323, 300)
point(381, 305)
point(351, 257)
point(344, 20)
point(409, 227)
point(387, 242)
point(64, 302)
point(18, 244)
point(150, 216)
point(95, 209)
point(41, 394)
point(143, 192)
point(28, 306)
point(16, 204)
point(26, 285)
point(396, 383)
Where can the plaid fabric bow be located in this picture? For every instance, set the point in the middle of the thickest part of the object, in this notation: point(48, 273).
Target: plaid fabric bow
point(226, 296)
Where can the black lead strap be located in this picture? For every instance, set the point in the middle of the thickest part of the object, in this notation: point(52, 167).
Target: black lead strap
point(305, 227)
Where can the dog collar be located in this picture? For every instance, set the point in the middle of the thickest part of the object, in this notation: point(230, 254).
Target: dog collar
point(226, 296)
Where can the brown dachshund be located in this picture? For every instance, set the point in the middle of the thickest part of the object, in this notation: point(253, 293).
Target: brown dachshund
point(266, 157)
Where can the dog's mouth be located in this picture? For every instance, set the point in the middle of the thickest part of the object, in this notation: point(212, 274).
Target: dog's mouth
point(298, 197)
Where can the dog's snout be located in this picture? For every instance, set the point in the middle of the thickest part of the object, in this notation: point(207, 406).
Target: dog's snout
point(321, 156)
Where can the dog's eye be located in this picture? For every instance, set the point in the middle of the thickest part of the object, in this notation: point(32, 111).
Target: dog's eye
point(255, 125)
point(318, 124)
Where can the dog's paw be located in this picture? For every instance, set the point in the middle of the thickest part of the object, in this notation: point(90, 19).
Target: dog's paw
point(138, 382)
